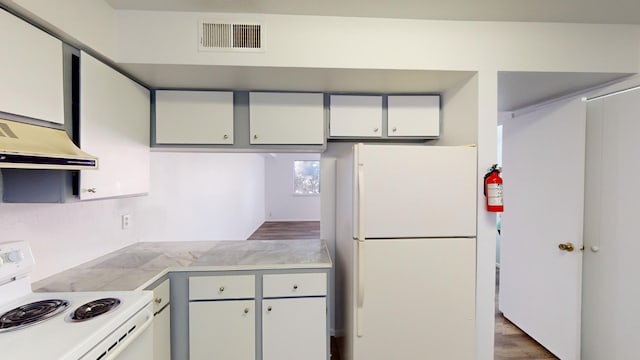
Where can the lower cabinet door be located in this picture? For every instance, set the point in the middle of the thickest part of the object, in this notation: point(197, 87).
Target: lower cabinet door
point(162, 335)
point(222, 330)
point(294, 329)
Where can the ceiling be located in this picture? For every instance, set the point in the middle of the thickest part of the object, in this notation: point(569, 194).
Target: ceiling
point(515, 89)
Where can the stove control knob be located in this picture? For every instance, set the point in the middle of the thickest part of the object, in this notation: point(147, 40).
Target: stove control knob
point(15, 256)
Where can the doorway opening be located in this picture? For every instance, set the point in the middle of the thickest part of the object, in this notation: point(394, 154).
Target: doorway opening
point(292, 197)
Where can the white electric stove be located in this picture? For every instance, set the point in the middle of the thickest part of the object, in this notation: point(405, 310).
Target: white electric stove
point(68, 325)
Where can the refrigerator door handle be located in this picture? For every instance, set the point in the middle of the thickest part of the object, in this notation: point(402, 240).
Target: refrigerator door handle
point(361, 203)
point(360, 298)
point(361, 241)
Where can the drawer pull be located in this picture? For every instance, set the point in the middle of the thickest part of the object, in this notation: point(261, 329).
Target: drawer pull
point(158, 300)
point(295, 286)
point(269, 308)
point(221, 289)
point(246, 310)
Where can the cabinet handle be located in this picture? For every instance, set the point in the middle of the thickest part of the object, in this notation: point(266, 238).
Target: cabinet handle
point(269, 308)
point(158, 300)
point(92, 190)
point(295, 286)
point(255, 136)
point(375, 130)
point(221, 289)
point(225, 136)
point(394, 129)
point(246, 310)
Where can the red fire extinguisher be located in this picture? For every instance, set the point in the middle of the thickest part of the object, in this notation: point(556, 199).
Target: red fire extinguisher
point(493, 189)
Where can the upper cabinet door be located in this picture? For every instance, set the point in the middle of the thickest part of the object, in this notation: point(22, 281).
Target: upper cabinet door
point(114, 126)
point(355, 116)
point(414, 115)
point(30, 70)
point(286, 118)
point(194, 117)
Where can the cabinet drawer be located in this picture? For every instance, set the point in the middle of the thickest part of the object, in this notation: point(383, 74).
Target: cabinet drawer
point(281, 285)
point(161, 295)
point(222, 287)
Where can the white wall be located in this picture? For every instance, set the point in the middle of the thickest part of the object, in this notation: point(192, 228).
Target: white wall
point(343, 42)
point(193, 197)
point(66, 235)
point(459, 125)
point(203, 196)
point(281, 204)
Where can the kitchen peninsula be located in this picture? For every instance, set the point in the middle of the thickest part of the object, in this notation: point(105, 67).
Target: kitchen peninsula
point(239, 299)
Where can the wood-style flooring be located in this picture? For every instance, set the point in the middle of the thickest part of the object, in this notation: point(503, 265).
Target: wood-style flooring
point(511, 343)
point(287, 230)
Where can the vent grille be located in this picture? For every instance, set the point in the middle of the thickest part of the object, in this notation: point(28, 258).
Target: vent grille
point(230, 36)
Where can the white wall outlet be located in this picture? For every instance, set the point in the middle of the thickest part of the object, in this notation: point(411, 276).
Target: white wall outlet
point(126, 221)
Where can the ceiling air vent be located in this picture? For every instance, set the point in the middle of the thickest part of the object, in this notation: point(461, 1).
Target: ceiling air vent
point(230, 36)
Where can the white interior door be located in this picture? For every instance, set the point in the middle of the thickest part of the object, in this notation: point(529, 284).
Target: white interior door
point(611, 291)
point(540, 284)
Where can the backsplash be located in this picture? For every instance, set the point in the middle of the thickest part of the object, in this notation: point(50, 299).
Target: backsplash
point(193, 197)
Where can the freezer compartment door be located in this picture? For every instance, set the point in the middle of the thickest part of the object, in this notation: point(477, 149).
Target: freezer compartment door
point(415, 191)
point(419, 296)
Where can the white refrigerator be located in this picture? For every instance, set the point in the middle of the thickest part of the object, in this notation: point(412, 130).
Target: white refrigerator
point(406, 250)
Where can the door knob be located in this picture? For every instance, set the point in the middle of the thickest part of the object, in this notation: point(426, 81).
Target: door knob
point(566, 246)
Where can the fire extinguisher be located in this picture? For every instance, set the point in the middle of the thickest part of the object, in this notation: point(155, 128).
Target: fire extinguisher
point(493, 189)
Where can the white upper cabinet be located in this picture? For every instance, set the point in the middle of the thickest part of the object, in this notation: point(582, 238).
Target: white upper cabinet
point(286, 118)
point(355, 116)
point(114, 126)
point(194, 117)
point(414, 115)
point(30, 71)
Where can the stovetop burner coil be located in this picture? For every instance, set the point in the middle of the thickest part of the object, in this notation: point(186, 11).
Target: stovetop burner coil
point(94, 308)
point(32, 313)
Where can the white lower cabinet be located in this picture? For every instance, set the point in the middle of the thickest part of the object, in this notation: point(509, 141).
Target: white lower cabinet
point(162, 335)
point(294, 316)
point(294, 328)
point(161, 322)
point(292, 325)
point(222, 330)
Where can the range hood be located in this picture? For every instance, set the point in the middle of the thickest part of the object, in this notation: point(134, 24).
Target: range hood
point(27, 146)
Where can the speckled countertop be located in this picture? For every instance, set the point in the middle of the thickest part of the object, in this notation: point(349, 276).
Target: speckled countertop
point(139, 265)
